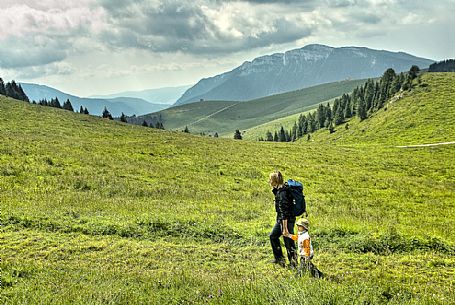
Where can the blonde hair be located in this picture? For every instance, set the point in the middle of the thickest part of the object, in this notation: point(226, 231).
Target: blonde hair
point(276, 178)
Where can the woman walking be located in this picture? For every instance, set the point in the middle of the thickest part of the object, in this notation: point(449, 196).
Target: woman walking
point(285, 221)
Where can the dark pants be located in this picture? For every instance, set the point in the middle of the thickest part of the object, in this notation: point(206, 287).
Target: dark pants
point(288, 243)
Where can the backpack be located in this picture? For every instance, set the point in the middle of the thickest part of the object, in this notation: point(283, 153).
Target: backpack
point(296, 192)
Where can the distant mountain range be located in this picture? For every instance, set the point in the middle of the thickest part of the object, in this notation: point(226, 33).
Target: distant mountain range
point(167, 95)
point(300, 68)
point(116, 105)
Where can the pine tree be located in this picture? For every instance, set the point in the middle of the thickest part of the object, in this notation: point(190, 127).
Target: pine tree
point(321, 116)
point(55, 103)
point(282, 135)
point(2, 87)
point(339, 116)
point(369, 94)
point(237, 135)
point(144, 123)
point(215, 135)
point(312, 124)
point(122, 118)
point(107, 114)
point(275, 137)
point(328, 112)
point(287, 136)
point(269, 136)
point(294, 132)
point(348, 108)
point(186, 130)
point(159, 125)
point(81, 109)
point(362, 110)
point(86, 111)
point(67, 106)
point(22, 95)
point(414, 71)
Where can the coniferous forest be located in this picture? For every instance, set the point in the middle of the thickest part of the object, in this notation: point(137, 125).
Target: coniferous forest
point(362, 102)
point(447, 65)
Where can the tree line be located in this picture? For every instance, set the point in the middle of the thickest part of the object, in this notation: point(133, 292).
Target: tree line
point(14, 90)
point(447, 65)
point(362, 102)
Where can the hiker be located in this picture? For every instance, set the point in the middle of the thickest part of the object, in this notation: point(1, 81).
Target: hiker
point(285, 220)
point(305, 249)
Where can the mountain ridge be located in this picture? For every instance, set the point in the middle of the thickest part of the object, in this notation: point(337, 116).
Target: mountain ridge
point(116, 105)
point(296, 69)
point(164, 95)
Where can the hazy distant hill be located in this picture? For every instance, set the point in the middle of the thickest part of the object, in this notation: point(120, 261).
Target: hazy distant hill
point(299, 68)
point(167, 95)
point(116, 106)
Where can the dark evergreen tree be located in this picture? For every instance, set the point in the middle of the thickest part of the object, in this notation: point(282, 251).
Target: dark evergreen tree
point(144, 123)
point(294, 132)
point(312, 123)
point(329, 117)
point(54, 102)
point(43, 102)
point(122, 118)
point(86, 111)
point(282, 135)
point(22, 95)
point(339, 116)
point(2, 87)
point(237, 135)
point(215, 135)
point(186, 130)
point(347, 111)
point(81, 109)
point(160, 125)
point(107, 114)
point(395, 86)
point(275, 137)
point(321, 116)
point(369, 94)
point(414, 71)
point(362, 110)
point(447, 65)
point(287, 136)
point(67, 106)
point(269, 136)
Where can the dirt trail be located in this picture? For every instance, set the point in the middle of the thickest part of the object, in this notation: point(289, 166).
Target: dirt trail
point(426, 145)
point(210, 115)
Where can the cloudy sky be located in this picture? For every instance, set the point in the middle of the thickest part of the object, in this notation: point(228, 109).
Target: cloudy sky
point(87, 47)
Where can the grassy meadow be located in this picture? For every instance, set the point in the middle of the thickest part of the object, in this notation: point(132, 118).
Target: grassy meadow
point(100, 212)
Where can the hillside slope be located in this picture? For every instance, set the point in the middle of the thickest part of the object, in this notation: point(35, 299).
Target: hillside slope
point(300, 68)
point(96, 211)
point(424, 115)
point(225, 117)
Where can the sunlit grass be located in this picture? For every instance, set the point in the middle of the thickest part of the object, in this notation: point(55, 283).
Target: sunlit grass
point(97, 212)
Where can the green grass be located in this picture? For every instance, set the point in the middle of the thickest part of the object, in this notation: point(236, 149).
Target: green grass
point(99, 212)
point(209, 116)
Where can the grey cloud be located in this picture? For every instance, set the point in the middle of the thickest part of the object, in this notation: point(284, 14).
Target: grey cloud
point(172, 26)
point(43, 70)
point(17, 53)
